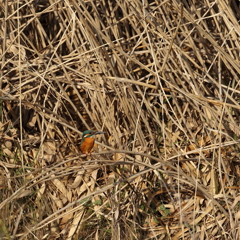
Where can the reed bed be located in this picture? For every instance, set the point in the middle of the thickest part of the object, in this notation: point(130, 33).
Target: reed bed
point(161, 78)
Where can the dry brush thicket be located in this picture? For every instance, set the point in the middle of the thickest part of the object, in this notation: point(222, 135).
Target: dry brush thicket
point(161, 78)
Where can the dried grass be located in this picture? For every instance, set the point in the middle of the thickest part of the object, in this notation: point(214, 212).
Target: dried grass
point(161, 78)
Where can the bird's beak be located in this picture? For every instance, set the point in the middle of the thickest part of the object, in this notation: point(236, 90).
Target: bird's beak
point(98, 133)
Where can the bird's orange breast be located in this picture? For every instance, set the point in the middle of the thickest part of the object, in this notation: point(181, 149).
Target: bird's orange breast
point(87, 145)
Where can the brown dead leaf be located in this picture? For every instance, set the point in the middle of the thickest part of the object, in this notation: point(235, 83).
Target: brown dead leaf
point(32, 120)
point(58, 202)
point(76, 221)
point(111, 177)
point(24, 193)
point(49, 147)
point(78, 180)
point(8, 153)
point(60, 186)
point(8, 144)
point(66, 219)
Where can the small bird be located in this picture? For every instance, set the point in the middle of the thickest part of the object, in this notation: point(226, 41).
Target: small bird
point(87, 141)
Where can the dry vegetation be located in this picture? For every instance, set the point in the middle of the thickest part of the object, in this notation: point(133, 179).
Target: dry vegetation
point(161, 78)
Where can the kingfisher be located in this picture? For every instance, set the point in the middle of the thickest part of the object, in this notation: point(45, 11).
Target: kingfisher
point(87, 141)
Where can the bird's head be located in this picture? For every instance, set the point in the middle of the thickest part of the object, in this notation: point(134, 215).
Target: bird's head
point(90, 133)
